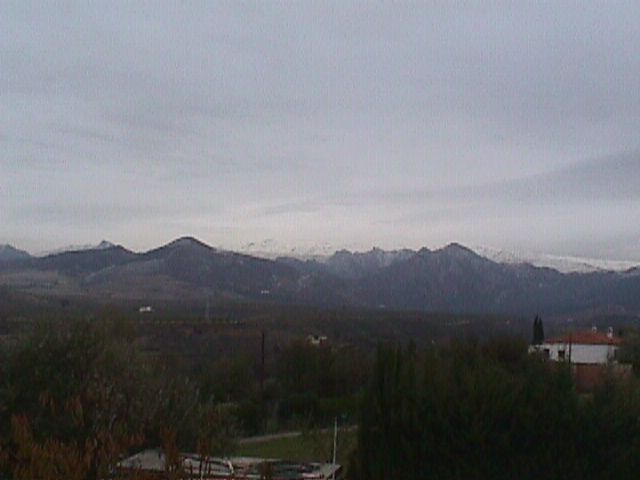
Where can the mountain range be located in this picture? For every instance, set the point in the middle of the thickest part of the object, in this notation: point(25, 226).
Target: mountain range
point(564, 263)
point(450, 279)
point(9, 254)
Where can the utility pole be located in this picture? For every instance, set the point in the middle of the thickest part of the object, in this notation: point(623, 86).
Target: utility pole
point(262, 343)
point(570, 346)
point(263, 409)
point(335, 445)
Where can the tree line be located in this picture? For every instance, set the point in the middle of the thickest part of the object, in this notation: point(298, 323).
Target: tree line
point(491, 411)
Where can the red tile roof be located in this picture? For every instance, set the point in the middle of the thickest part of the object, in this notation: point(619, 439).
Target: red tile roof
point(586, 338)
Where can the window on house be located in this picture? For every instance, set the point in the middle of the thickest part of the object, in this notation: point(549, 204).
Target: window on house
point(560, 354)
point(547, 353)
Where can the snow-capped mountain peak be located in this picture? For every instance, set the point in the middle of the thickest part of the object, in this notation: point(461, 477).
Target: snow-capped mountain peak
point(564, 264)
point(103, 245)
point(270, 248)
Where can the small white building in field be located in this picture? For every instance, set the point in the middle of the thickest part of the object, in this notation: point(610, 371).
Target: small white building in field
point(582, 348)
point(317, 340)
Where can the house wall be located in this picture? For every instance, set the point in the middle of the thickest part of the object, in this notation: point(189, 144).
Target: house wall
point(586, 354)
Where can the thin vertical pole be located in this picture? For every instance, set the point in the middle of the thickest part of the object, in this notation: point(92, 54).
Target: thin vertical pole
point(262, 342)
point(263, 408)
point(570, 346)
point(335, 445)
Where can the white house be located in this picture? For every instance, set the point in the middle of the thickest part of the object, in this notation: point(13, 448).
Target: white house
point(592, 356)
point(317, 340)
point(582, 348)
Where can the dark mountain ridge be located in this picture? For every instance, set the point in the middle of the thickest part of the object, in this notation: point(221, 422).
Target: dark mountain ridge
point(8, 253)
point(457, 279)
point(451, 279)
point(82, 262)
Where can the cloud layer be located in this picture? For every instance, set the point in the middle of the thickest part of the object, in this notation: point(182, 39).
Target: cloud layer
point(343, 123)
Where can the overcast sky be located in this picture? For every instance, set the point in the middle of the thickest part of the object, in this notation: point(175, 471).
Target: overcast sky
point(505, 124)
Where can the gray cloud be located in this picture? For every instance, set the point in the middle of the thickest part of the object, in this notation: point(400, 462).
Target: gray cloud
point(337, 122)
point(593, 182)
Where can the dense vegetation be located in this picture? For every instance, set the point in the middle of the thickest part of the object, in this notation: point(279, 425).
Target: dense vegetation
point(76, 396)
point(491, 412)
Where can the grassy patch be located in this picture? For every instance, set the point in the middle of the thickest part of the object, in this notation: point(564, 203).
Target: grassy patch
point(312, 446)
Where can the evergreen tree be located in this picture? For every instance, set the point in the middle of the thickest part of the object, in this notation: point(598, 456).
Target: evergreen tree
point(388, 427)
point(538, 331)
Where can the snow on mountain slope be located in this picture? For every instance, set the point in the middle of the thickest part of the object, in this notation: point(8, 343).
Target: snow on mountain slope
point(269, 248)
point(564, 264)
point(103, 245)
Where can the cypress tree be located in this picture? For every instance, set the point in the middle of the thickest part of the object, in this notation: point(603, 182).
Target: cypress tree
point(538, 331)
